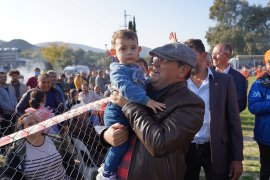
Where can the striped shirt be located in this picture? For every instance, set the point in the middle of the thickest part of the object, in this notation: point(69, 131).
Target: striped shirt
point(44, 162)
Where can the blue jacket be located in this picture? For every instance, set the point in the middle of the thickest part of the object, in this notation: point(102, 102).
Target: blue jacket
point(8, 99)
point(259, 104)
point(130, 81)
point(24, 102)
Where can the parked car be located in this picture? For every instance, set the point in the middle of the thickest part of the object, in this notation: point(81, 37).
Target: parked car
point(69, 70)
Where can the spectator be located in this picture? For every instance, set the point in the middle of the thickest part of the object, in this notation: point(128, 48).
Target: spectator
point(218, 146)
point(62, 83)
point(143, 64)
point(53, 75)
point(106, 79)
point(221, 55)
point(92, 78)
point(32, 81)
point(84, 76)
point(70, 83)
point(259, 105)
point(72, 98)
point(18, 87)
point(245, 73)
point(37, 102)
point(39, 156)
point(97, 90)
point(21, 79)
point(8, 103)
point(53, 97)
point(259, 71)
point(87, 96)
point(78, 80)
point(100, 81)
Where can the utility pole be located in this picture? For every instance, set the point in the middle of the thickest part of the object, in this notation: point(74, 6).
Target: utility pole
point(125, 19)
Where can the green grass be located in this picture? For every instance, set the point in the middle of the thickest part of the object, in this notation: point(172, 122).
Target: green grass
point(251, 152)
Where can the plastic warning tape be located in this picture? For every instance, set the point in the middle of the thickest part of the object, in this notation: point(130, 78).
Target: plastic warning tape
point(52, 121)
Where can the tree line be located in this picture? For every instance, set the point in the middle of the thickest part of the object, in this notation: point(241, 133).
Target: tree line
point(246, 27)
point(61, 55)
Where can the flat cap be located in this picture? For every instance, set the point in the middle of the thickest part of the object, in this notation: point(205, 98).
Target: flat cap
point(176, 52)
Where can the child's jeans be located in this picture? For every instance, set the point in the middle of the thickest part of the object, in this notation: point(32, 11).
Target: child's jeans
point(113, 114)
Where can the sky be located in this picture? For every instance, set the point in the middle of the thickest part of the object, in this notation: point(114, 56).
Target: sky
point(92, 22)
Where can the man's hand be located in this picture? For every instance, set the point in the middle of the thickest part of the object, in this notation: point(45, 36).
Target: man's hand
point(118, 99)
point(116, 135)
point(172, 37)
point(236, 170)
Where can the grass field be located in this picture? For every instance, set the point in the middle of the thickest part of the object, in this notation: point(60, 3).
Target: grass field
point(251, 151)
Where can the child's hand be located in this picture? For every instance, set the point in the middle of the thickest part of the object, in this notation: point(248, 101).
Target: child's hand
point(155, 105)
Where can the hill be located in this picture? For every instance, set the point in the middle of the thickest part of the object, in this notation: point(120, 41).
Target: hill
point(17, 43)
point(73, 46)
point(24, 45)
point(143, 53)
point(1, 42)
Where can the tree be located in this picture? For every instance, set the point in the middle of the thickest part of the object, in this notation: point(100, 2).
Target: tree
point(67, 57)
point(132, 25)
point(79, 55)
point(245, 27)
point(53, 53)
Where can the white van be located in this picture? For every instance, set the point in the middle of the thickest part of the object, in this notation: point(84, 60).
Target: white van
point(69, 70)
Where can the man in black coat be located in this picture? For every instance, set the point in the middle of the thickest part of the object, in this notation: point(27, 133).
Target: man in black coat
point(221, 55)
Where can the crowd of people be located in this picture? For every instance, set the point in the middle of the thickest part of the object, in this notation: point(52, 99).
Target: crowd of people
point(43, 96)
point(166, 120)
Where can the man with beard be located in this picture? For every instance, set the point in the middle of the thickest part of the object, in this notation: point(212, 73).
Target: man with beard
point(8, 103)
point(18, 87)
point(218, 146)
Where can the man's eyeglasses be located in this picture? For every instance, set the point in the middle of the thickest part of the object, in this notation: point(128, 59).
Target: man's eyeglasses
point(157, 59)
point(218, 54)
point(160, 60)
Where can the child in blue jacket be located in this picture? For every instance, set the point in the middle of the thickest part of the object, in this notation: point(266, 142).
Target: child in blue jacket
point(128, 78)
point(259, 105)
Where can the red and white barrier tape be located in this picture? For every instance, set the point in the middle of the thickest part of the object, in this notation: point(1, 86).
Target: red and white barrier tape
point(52, 121)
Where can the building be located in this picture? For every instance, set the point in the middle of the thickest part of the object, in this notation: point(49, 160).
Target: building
point(9, 58)
point(246, 60)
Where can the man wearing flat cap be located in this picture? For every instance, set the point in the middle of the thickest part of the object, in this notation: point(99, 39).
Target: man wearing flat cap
point(259, 105)
point(160, 141)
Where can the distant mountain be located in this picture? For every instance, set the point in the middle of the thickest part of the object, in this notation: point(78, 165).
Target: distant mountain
point(1, 42)
point(73, 46)
point(17, 43)
point(24, 45)
point(143, 53)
